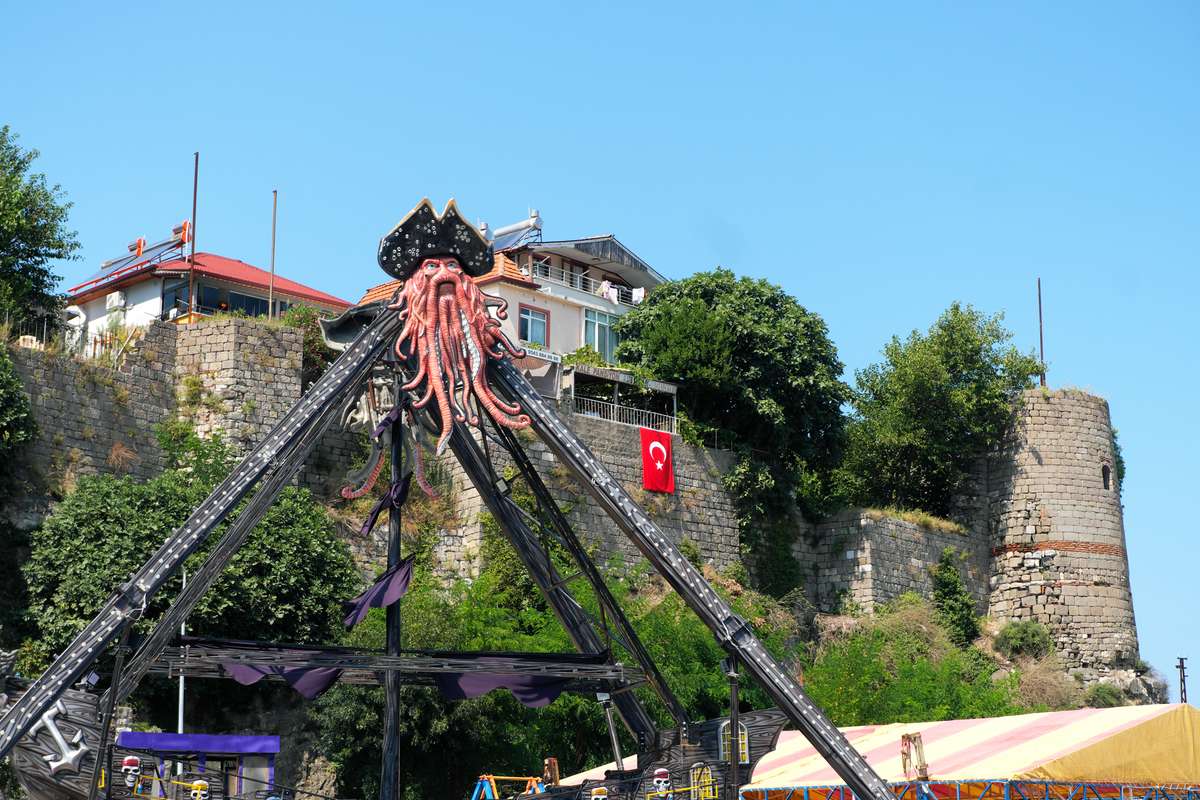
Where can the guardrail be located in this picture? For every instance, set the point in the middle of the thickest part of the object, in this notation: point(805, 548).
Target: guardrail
point(625, 415)
point(573, 280)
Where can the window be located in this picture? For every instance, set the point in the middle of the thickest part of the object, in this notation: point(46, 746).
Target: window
point(598, 332)
point(175, 297)
point(534, 326)
point(209, 298)
point(1106, 475)
point(250, 306)
point(743, 744)
point(701, 783)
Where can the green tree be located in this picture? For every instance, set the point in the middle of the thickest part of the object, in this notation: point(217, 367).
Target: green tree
point(937, 402)
point(286, 583)
point(755, 364)
point(33, 232)
point(955, 605)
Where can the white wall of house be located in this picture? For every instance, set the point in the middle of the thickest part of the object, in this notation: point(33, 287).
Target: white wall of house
point(565, 315)
point(143, 304)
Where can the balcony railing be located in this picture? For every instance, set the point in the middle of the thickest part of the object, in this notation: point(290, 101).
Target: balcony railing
point(625, 415)
point(621, 295)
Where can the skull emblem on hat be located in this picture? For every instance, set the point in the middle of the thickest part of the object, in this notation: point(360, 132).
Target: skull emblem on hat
point(662, 785)
point(131, 768)
point(200, 790)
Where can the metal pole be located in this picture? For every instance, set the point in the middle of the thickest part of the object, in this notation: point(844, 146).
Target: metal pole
point(606, 704)
point(271, 285)
point(1182, 665)
point(735, 738)
point(1041, 334)
point(102, 748)
point(389, 781)
point(182, 633)
point(192, 258)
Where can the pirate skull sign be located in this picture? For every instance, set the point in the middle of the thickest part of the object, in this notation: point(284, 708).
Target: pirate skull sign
point(131, 768)
point(200, 790)
point(662, 785)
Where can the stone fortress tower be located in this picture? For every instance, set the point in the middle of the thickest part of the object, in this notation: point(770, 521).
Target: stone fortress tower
point(1058, 534)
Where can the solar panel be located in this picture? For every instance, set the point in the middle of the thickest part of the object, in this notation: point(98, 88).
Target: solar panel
point(110, 269)
point(510, 240)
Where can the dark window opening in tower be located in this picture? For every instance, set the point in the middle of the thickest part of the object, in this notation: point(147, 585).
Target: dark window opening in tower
point(1106, 474)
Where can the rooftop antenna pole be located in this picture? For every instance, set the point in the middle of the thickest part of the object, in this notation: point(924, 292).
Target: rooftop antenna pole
point(192, 258)
point(1182, 665)
point(1041, 335)
point(271, 285)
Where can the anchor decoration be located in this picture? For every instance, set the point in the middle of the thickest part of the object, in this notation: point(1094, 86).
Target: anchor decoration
point(67, 758)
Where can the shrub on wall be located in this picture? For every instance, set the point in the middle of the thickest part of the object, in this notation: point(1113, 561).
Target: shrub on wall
point(17, 426)
point(953, 602)
point(1027, 638)
point(1103, 695)
point(317, 356)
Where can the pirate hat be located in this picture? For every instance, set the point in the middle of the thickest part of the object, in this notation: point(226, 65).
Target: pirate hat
point(424, 233)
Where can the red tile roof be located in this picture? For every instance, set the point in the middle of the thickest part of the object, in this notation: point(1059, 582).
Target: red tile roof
point(231, 269)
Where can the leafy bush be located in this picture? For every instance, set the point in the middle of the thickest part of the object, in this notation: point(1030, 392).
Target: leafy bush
point(937, 402)
point(1025, 638)
point(954, 604)
point(901, 667)
point(285, 584)
point(317, 356)
point(1103, 695)
point(17, 426)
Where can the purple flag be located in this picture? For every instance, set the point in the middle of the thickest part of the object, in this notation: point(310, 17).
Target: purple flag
point(391, 586)
point(311, 682)
point(534, 691)
point(396, 494)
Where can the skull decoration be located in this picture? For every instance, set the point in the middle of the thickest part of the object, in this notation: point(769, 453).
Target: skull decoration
point(662, 785)
point(199, 790)
point(131, 768)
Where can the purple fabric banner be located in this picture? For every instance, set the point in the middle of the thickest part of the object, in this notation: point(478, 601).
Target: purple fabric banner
point(395, 497)
point(311, 682)
point(534, 691)
point(391, 586)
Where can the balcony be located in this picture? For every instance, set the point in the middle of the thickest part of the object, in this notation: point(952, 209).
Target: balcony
point(548, 273)
point(625, 415)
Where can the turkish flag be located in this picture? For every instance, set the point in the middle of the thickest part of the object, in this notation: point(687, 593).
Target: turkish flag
point(658, 473)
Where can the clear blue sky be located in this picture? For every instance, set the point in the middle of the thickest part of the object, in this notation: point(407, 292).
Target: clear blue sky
point(877, 160)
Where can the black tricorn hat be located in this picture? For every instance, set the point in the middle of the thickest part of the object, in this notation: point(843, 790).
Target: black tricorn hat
point(424, 233)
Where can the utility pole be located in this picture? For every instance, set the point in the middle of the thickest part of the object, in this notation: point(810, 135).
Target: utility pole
point(192, 260)
point(1182, 665)
point(1041, 335)
point(271, 285)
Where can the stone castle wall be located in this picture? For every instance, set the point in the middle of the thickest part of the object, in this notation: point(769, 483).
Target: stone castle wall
point(92, 418)
point(700, 510)
point(1057, 533)
point(1045, 535)
point(862, 559)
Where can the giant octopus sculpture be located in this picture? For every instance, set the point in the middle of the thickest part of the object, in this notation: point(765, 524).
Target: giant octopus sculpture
point(447, 324)
point(451, 329)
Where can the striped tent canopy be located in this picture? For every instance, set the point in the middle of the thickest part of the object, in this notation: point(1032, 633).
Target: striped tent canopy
point(1156, 745)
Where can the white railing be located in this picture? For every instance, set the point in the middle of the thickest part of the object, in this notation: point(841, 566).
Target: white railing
point(574, 280)
point(587, 407)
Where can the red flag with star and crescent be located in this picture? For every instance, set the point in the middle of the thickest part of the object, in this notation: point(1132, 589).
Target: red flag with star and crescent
point(658, 473)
